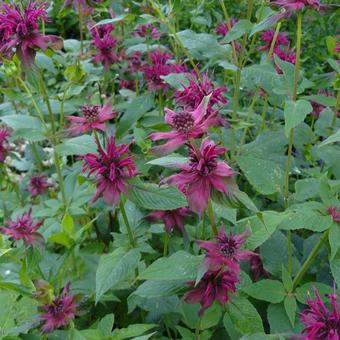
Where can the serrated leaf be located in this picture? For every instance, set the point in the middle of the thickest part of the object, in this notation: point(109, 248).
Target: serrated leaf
point(295, 113)
point(179, 266)
point(242, 26)
point(114, 268)
point(264, 175)
point(244, 316)
point(169, 161)
point(77, 146)
point(267, 290)
point(290, 307)
point(154, 197)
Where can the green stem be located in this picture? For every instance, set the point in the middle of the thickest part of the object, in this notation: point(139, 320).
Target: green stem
point(291, 136)
point(336, 108)
point(166, 244)
point(311, 257)
point(80, 13)
point(277, 30)
point(264, 111)
point(197, 331)
point(212, 218)
point(57, 161)
point(127, 224)
point(62, 106)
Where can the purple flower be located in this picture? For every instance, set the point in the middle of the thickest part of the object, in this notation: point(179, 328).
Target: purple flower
point(203, 175)
point(320, 322)
point(38, 185)
point(23, 228)
point(192, 95)
point(158, 66)
point(335, 213)
point(4, 134)
point(226, 251)
point(148, 30)
point(105, 44)
point(19, 28)
point(214, 286)
point(60, 312)
point(268, 36)
point(127, 84)
point(112, 168)
point(173, 219)
point(94, 118)
point(295, 5)
point(134, 61)
point(256, 267)
point(317, 108)
point(222, 28)
point(185, 125)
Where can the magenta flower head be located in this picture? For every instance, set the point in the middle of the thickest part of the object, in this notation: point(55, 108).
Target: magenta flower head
point(4, 134)
point(185, 125)
point(226, 251)
point(60, 312)
point(112, 169)
point(214, 286)
point(173, 219)
point(268, 36)
point(222, 28)
point(38, 185)
point(192, 95)
point(19, 28)
point(335, 214)
point(295, 5)
point(158, 66)
point(317, 108)
point(23, 228)
point(135, 61)
point(94, 118)
point(148, 31)
point(202, 175)
point(320, 322)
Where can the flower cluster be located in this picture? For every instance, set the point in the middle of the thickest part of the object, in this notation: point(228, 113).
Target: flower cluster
point(334, 213)
point(222, 262)
point(105, 44)
point(159, 64)
point(19, 29)
point(94, 118)
point(112, 169)
point(173, 219)
point(38, 185)
point(268, 36)
point(148, 31)
point(202, 175)
point(23, 228)
point(320, 322)
point(4, 134)
point(222, 28)
point(295, 5)
point(60, 312)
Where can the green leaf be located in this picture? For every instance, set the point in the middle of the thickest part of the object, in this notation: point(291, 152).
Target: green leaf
point(335, 269)
point(203, 45)
point(242, 26)
point(262, 225)
point(243, 198)
point(115, 19)
point(331, 139)
point(77, 146)
point(226, 212)
point(267, 290)
point(244, 316)
point(131, 331)
point(334, 239)
point(323, 100)
point(179, 266)
point(169, 161)
point(26, 127)
point(264, 175)
point(154, 197)
point(290, 307)
point(114, 268)
point(295, 113)
point(307, 289)
point(106, 324)
point(135, 110)
point(286, 279)
point(264, 24)
point(176, 80)
point(153, 289)
point(67, 226)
